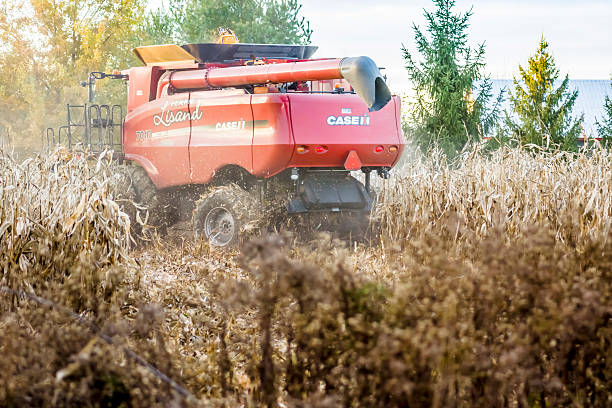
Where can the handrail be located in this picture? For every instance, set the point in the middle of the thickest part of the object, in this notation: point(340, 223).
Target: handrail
point(104, 118)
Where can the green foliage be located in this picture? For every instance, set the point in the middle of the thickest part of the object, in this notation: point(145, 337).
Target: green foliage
point(254, 21)
point(257, 21)
point(162, 26)
point(445, 112)
point(544, 113)
point(604, 127)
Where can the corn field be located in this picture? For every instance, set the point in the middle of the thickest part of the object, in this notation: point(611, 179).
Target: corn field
point(487, 282)
point(507, 190)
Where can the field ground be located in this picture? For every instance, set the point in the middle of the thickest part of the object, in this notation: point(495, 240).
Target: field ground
point(487, 283)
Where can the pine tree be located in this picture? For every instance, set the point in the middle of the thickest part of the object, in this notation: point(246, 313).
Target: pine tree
point(544, 113)
point(604, 127)
point(445, 113)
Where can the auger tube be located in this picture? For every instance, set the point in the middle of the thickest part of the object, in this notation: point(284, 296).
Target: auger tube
point(361, 72)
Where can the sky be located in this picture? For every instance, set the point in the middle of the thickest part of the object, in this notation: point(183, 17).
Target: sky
point(579, 33)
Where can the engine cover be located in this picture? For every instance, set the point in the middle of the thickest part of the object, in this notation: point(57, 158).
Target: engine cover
point(330, 191)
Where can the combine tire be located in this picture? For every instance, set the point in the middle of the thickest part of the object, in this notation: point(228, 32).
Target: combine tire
point(135, 189)
point(148, 197)
point(225, 215)
point(125, 195)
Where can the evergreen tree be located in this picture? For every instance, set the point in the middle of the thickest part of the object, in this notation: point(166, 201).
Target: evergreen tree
point(604, 127)
point(445, 112)
point(544, 112)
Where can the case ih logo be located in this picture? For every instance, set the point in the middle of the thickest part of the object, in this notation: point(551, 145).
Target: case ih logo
point(363, 120)
point(232, 125)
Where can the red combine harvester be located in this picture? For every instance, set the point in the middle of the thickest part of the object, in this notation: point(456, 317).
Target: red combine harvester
point(214, 132)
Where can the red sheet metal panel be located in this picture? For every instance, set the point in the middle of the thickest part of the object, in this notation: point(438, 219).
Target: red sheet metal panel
point(224, 134)
point(341, 123)
point(157, 136)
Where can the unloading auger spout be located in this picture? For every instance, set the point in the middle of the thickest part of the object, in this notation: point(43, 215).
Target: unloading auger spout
point(361, 72)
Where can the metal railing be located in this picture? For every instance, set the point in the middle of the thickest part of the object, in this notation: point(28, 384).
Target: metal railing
point(90, 127)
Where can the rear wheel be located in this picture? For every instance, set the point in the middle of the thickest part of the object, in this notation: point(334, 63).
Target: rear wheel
point(226, 215)
point(220, 226)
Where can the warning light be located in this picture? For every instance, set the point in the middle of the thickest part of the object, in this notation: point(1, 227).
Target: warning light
point(320, 149)
point(379, 149)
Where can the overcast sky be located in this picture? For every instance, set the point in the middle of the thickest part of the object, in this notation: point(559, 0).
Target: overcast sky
point(579, 32)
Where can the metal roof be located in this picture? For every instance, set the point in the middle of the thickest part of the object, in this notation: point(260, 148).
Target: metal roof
point(590, 101)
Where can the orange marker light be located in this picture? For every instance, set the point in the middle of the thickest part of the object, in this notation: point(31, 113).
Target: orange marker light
point(393, 149)
point(301, 149)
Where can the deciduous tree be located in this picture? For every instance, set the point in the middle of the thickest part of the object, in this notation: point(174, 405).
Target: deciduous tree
point(256, 21)
point(80, 36)
point(49, 46)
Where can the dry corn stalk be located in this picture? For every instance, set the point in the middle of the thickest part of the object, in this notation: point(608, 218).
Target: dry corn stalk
point(60, 205)
point(508, 189)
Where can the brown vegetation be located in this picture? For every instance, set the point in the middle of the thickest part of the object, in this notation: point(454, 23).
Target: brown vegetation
point(490, 285)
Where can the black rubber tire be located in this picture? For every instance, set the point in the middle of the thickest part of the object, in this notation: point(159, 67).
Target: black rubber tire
point(137, 194)
point(148, 197)
point(124, 194)
point(244, 207)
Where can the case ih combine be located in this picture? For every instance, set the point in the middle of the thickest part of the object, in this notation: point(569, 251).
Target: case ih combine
point(216, 132)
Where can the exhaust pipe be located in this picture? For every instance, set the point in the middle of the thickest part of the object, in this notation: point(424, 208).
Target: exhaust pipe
point(361, 72)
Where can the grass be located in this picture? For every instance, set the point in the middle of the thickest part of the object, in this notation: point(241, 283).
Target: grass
point(489, 284)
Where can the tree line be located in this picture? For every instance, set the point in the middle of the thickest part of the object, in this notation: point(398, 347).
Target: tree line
point(48, 46)
point(447, 74)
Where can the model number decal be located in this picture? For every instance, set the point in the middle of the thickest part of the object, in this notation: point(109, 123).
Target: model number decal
point(143, 135)
point(348, 120)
